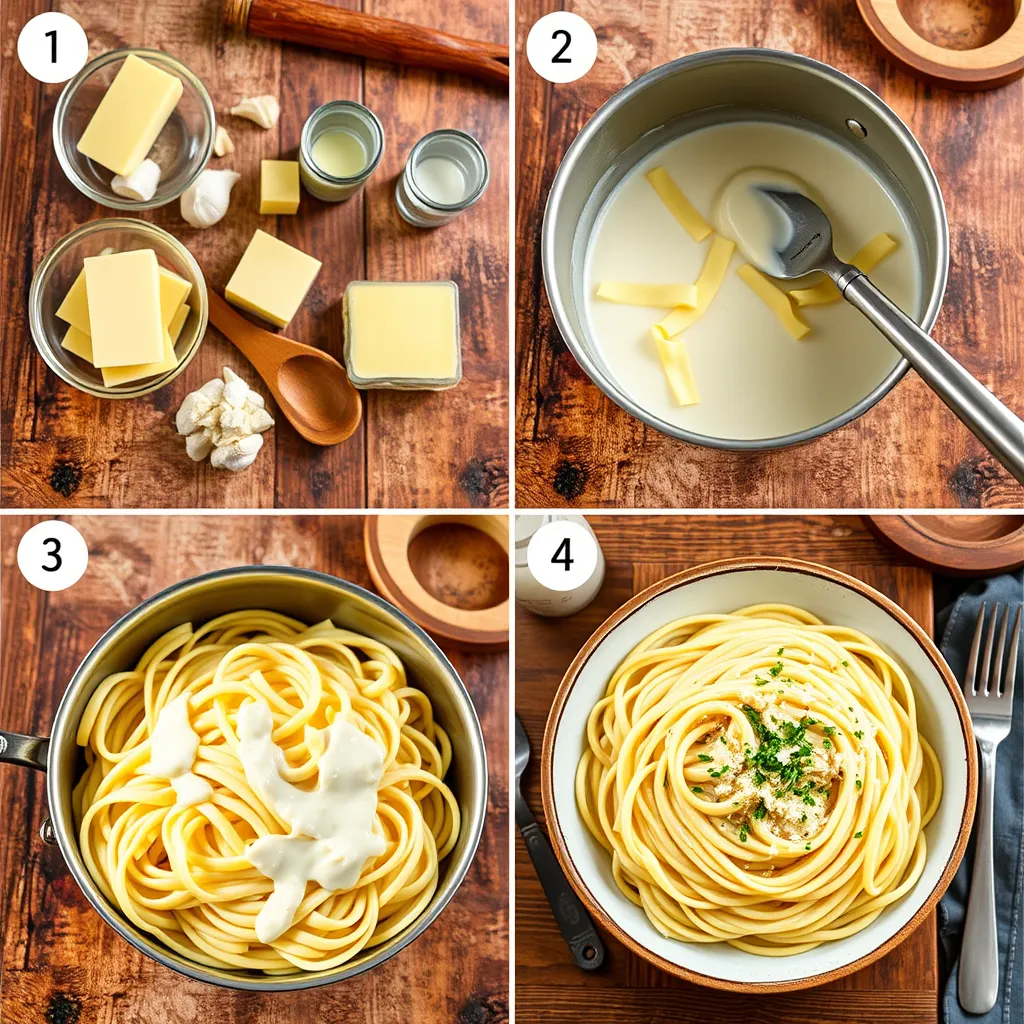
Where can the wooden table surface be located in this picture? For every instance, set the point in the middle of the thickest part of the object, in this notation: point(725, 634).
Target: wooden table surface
point(60, 962)
point(901, 988)
point(575, 446)
point(62, 448)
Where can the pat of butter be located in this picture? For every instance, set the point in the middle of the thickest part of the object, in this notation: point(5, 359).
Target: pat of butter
point(78, 343)
point(114, 375)
point(271, 279)
point(279, 186)
point(123, 292)
point(174, 290)
point(178, 321)
point(130, 116)
point(402, 334)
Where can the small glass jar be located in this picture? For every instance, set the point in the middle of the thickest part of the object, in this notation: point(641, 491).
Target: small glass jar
point(446, 173)
point(339, 116)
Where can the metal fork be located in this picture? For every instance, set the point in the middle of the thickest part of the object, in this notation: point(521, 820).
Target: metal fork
point(990, 702)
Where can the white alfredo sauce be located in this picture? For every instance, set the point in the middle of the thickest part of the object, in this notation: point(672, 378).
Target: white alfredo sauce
point(331, 826)
point(172, 753)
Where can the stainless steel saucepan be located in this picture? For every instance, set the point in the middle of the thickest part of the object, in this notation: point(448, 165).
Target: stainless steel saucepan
point(310, 597)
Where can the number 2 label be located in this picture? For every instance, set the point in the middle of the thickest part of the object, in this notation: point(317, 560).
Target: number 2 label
point(561, 47)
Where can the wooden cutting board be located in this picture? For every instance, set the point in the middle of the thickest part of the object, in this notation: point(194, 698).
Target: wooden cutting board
point(576, 447)
point(62, 448)
point(901, 988)
point(60, 962)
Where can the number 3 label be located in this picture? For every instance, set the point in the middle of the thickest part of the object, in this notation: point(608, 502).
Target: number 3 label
point(52, 47)
point(561, 47)
point(52, 555)
point(562, 555)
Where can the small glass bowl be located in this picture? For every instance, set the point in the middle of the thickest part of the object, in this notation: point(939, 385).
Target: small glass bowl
point(63, 263)
point(182, 148)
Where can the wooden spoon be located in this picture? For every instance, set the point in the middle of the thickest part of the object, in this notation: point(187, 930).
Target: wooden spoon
point(310, 387)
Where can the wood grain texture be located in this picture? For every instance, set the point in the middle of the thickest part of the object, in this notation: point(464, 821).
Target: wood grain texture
point(62, 448)
point(60, 962)
point(639, 551)
point(574, 446)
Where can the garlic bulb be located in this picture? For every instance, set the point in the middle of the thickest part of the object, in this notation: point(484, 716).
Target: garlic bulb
point(140, 184)
point(206, 200)
point(222, 144)
point(264, 110)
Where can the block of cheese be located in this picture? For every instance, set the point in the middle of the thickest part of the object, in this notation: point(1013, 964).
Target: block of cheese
point(123, 291)
point(130, 116)
point(279, 186)
point(78, 343)
point(114, 375)
point(271, 279)
point(75, 307)
point(174, 290)
point(402, 334)
point(178, 321)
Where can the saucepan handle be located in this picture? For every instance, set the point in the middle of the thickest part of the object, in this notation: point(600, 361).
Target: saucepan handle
point(29, 751)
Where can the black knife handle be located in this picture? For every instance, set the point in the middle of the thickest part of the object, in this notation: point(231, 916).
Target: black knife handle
point(573, 920)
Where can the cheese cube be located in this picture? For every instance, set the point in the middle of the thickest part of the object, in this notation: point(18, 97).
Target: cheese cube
point(114, 375)
point(123, 291)
point(130, 116)
point(402, 334)
point(279, 186)
point(271, 279)
point(78, 343)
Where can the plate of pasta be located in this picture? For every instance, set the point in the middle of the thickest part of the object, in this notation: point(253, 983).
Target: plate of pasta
point(759, 774)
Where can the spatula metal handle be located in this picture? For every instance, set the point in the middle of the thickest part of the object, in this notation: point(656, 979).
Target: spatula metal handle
point(999, 429)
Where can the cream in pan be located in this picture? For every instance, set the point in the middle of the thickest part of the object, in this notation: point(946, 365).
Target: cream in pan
point(755, 381)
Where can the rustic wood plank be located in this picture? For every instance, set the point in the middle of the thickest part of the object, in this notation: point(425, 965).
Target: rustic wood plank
point(639, 551)
point(62, 448)
point(462, 433)
point(574, 446)
point(59, 961)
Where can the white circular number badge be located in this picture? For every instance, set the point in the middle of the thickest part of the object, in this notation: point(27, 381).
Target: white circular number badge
point(562, 555)
point(52, 555)
point(52, 47)
point(561, 47)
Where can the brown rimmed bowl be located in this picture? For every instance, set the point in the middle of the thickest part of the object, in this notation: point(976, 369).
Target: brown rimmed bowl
point(723, 587)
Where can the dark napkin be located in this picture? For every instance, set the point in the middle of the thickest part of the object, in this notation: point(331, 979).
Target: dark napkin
point(956, 624)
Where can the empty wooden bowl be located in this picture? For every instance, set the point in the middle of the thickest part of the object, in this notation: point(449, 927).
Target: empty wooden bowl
point(448, 573)
point(959, 44)
point(961, 545)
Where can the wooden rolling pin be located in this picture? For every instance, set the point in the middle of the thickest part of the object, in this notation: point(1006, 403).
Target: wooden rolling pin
point(317, 23)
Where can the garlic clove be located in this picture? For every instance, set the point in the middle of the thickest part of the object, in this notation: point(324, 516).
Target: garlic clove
point(140, 184)
point(260, 420)
point(264, 110)
point(222, 144)
point(207, 199)
point(237, 455)
point(198, 446)
point(235, 393)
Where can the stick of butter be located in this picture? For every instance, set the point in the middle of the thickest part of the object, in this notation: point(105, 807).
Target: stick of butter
point(130, 116)
point(123, 292)
point(279, 186)
point(272, 279)
point(174, 290)
point(402, 335)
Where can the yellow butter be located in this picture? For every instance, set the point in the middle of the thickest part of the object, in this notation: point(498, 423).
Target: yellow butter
point(130, 116)
point(775, 299)
point(668, 296)
point(271, 279)
point(123, 291)
point(78, 343)
point(178, 321)
point(174, 290)
point(678, 371)
point(75, 307)
point(678, 205)
point(402, 334)
point(710, 280)
point(115, 375)
point(865, 261)
point(279, 186)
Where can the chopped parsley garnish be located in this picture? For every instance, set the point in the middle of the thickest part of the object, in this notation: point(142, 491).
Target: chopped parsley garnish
point(857, 835)
point(827, 744)
point(696, 789)
point(846, 664)
point(760, 811)
point(765, 760)
point(808, 846)
point(719, 772)
point(721, 739)
point(758, 681)
point(803, 818)
point(779, 652)
point(859, 734)
point(858, 783)
point(743, 833)
point(704, 757)
point(829, 730)
point(775, 669)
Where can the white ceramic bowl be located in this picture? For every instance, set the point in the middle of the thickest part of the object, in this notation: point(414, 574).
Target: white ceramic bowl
point(723, 587)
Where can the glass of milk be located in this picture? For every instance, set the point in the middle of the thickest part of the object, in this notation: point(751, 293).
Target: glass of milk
point(446, 173)
point(342, 143)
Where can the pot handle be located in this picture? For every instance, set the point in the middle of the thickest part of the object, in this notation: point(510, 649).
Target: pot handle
point(28, 751)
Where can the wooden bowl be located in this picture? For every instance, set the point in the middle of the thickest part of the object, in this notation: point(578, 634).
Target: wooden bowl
point(960, 545)
point(448, 573)
point(722, 587)
point(952, 43)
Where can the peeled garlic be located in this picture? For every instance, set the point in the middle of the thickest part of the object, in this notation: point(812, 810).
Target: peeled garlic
point(238, 454)
point(264, 110)
point(222, 143)
point(140, 184)
point(206, 200)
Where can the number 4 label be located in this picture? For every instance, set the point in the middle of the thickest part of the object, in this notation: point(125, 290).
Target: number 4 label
point(562, 555)
point(52, 555)
point(561, 47)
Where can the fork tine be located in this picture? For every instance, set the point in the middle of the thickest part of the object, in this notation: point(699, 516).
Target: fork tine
point(1011, 668)
point(972, 660)
point(986, 661)
point(997, 664)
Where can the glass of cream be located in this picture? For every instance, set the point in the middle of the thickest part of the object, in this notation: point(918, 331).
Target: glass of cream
point(446, 173)
point(342, 143)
